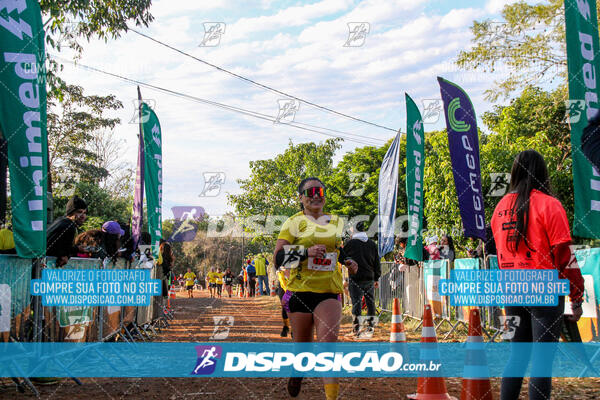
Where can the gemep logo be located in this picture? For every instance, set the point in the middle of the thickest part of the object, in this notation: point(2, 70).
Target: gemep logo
point(207, 359)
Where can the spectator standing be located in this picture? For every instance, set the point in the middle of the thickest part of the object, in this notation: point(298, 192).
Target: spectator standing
point(251, 279)
point(362, 284)
point(7, 241)
point(447, 251)
point(260, 264)
point(432, 248)
point(61, 233)
point(165, 262)
point(532, 231)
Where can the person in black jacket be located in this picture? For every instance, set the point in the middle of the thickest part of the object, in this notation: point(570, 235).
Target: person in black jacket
point(364, 251)
point(61, 234)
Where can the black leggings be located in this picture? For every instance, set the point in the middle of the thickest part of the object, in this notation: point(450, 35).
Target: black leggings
point(538, 324)
point(280, 293)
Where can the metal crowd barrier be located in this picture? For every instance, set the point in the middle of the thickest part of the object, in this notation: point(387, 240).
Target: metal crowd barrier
point(417, 285)
point(16, 321)
point(405, 284)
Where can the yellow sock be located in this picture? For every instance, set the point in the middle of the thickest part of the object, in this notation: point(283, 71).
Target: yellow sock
point(332, 390)
point(286, 322)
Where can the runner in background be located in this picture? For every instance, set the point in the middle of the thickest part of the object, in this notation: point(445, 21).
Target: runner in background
point(282, 278)
point(531, 231)
point(219, 281)
point(189, 277)
point(212, 282)
point(313, 295)
point(228, 281)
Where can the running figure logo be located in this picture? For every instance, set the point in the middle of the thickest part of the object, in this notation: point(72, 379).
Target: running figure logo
point(573, 110)
point(499, 184)
point(185, 223)
point(287, 111)
point(222, 326)
point(432, 109)
point(357, 34)
point(509, 324)
point(137, 118)
point(207, 359)
point(292, 256)
point(212, 34)
point(358, 182)
point(213, 181)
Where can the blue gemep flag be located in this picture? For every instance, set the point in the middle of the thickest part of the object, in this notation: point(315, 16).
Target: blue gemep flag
point(388, 193)
point(463, 142)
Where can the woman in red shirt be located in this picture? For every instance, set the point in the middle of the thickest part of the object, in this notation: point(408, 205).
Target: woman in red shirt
point(531, 231)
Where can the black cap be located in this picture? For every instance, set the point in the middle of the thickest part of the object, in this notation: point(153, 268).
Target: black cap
point(75, 203)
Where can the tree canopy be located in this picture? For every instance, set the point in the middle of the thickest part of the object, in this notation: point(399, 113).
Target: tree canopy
point(528, 45)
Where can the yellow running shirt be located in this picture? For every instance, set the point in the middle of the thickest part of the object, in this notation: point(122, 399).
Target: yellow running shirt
point(212, 277)
point(219, 277)
point(189, 278)
point(310, 276)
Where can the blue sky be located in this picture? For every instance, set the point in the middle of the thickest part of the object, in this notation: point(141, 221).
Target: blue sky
point(296, 47)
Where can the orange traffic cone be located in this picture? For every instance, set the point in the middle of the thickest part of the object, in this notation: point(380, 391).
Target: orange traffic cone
point(474, 386)
point(430, 388)
point(397, 334)
point(273, 289)
point(171, 295)
point(240, 291)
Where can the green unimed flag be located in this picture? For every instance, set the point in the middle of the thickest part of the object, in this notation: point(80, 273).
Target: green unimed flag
point(584, 82)
point(153, 174)
point(415, 165)
point(23, 121)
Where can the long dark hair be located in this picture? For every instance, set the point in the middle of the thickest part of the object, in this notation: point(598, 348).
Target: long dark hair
point(529, 172)
point(303, 182)
point(167, 254)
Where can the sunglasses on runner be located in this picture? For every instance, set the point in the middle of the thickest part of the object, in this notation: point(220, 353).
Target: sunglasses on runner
point(310, 192)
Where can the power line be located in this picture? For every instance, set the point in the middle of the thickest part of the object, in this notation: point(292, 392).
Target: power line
point(262, 85)
point(255, 114)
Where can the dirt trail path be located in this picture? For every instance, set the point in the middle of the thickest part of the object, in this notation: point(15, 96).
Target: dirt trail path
point(255, 320)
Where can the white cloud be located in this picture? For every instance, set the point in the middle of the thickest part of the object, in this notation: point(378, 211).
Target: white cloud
point(496, 6)
point(297, 50)
point(289, 17)
point(460, 17)
point(166, 8)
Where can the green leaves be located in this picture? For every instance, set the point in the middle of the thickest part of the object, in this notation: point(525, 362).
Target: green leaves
point(529, 45)
point(67, 21)
point(271, 188)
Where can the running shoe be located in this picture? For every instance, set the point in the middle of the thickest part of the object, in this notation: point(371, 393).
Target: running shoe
point(294, 385)
point(284, 331)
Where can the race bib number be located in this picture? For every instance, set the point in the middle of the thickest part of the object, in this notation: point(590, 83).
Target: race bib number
point(293, 253)
point(328, 263)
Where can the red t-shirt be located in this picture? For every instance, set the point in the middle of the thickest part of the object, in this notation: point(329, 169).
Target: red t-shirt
point(548, 226)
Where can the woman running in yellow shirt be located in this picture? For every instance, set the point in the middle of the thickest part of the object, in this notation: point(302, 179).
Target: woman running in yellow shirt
point(313, 295)
point(219, 281)
point(212, 282)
